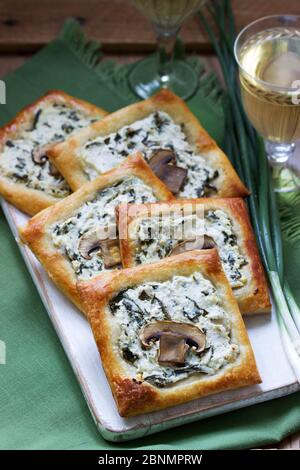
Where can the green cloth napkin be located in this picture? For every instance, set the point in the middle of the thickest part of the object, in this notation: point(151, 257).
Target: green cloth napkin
point(41, 404)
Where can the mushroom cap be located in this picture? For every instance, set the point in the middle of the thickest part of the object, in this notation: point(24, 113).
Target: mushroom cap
point(53, 170)
point(202, 243)
point(163, 164)
point(111, 252)
point(94, 240)
point(192, 334)
point(39, 154)
point(208, 243)
point(89, 242)
point(162, 157)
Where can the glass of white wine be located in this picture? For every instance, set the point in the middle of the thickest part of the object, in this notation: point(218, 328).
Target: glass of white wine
point(268, 54)
point(162, 70)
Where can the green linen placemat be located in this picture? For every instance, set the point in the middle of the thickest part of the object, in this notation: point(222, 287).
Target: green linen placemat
point(41, 404)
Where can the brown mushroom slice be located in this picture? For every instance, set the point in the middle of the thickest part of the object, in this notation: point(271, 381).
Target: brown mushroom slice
point(175, 339)
point(187, 245)
point(163, 165)
point(208, 243)
point(173, 177)
point(111, 252)
point(88, 243)
point(53, 170)
point(109, 247)
point(172, 350)
point(160, 158)
point(203, 243)
point(39, 155)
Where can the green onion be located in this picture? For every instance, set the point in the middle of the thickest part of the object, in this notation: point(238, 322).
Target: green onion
point(295, 311)
point(246, 151)
point(292, 356)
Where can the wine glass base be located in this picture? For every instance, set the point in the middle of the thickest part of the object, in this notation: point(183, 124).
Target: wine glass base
point(285, 179)
point(144, 80)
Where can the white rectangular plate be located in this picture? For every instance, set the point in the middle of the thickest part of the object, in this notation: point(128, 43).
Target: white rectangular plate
point(75, 334)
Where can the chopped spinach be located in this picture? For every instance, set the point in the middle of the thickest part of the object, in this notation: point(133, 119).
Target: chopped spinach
point(129, 355)
point(36, 119)
point(9, 143)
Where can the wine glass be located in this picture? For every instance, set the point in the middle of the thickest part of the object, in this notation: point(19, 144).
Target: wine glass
point(162, 70)
point(268, 54)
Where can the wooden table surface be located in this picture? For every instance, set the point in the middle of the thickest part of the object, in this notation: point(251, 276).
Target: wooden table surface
point(27, 25)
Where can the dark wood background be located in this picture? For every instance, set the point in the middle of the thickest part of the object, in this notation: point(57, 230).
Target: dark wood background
point(27, 25)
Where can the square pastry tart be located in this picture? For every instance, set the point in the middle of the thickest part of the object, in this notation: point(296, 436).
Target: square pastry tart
point(27, 178)
point(175, 145)
point(150, 232)
point(77, 237)
point(169, 332)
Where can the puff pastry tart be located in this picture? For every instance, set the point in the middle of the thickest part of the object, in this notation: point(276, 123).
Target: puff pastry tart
point(150, 232)
point(169, 332)
point(77, 238)
point(174, 143)
point(27, 179)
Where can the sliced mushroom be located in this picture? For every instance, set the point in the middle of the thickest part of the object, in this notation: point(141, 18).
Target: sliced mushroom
point(173, 177)
point(203, 243)
point(187, 245)
point(88, 243)
point(163, 164)
point(172, 349)
point(162, 157)
point(53, 170)
point(208, 243)
point(109, 247)
point(39, 155)
point(110, 252)
point(174, 338)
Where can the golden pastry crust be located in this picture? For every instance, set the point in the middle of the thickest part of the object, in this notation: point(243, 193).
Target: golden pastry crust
point(133, 397)
point(65, 156)
point(27, 199)
point(37, 236)
point(253, 297)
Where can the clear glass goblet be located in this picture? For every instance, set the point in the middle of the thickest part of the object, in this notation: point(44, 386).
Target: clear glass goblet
point(268, 55)
point(162, 70)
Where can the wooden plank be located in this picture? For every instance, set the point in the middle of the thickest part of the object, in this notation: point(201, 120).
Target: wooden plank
point(8, 63)
point(26, 25)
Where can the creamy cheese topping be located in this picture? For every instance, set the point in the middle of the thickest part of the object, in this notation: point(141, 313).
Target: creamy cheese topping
point(191, 299)
point(50, 124)
point(100, 212)
point(154, 240)
point(154, 132)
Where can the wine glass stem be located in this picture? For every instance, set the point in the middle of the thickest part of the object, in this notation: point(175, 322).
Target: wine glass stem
point(166, 40)
point(279, 153)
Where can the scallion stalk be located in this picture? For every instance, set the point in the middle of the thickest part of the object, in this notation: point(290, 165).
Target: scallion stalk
point(248, 155)
point(294, 309)
point(291, 354)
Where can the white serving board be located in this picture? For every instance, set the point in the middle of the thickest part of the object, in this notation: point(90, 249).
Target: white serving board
point(76, 337)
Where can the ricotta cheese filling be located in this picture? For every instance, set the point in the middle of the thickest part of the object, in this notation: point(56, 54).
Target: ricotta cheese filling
point(98, 212)
point(156, 131)
point(190, 299)
point(51, 124)
point(154, 240)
